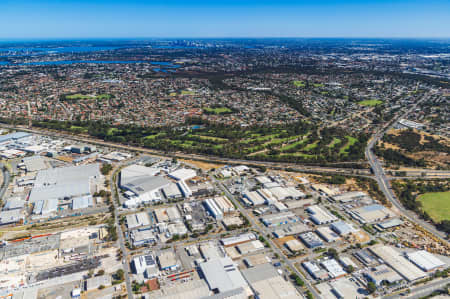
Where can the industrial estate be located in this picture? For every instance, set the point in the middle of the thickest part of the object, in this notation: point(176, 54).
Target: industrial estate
point(225, 169)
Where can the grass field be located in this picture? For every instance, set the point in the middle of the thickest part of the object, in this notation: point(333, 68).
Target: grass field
point(370, 103)
point(187, 93)
point(437, 205)
point(350, 141)
point(79, 96)
point(299, 84)
point(218, 110)
point(334, 142)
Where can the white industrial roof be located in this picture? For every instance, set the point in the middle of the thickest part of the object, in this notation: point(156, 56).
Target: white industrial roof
point(137, 220)
point(146, 184)
point(342, 228)
point(82, 202)
point(333, 268)
point(266, 281)
point(64, 182)
point(319, 215)
point(134, 171)
point(255, 198)
point(398, 262)
point(183, 174)
point(222, 274)
point(425, 260)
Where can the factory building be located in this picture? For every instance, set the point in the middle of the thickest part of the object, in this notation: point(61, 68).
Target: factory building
point(320, 216)
point(398, 262)
point(425, 260)
point(141, 263)
point(333, 268)
point(223, 275)
point(45, 207)
point(211, 207)
point(239, 239)
point(255, 198)
point(268, 284)
point(311, 240)
point(145, 189)
point(371, 213)
point(172, 192)
point(141, 237)
point(183, 174)
point(279, 219)
point(137, 220)
point(11, 217)
point(382, 273)
point(349, 196)
point(66, 182)
point(342, 228)
point(327, 234)
point(167, 260)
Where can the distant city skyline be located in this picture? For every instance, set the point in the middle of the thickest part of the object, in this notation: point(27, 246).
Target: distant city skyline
point(53, 19)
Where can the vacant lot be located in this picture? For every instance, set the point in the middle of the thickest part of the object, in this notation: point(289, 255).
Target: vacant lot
point(436, 204)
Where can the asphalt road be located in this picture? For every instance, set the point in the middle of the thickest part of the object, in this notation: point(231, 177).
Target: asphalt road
point(5, 182)
point(120, 240)
point(422, 291)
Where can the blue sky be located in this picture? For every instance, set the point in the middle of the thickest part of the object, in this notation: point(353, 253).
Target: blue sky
point(215, 18)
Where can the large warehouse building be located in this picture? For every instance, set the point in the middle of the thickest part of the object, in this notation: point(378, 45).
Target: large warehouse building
point(66, 182)
point(268, 284)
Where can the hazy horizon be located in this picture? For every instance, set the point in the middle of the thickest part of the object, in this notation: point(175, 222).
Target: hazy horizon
point(101, 19)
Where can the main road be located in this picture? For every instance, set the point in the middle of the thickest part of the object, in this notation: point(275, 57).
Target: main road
point(120, 240)
point(383, 180)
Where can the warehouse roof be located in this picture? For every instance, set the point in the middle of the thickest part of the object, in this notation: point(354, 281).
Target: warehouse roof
point(255, 198)
point(223, 275)
point(371, 213)
point(137, 220)
point(82, 202)
point(134, 171)
point(142, 185)
point(320, 215)
point(183, 174)
point(64, 182)
point(34, 163)
point(349, 196)
point(342, 228)
point(398, 262)
point(267, 283)
point(425, 260)
point(10, 216)
point(333, 268)
point(14, 203)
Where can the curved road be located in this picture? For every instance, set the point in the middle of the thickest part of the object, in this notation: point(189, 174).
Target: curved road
point(383, 180)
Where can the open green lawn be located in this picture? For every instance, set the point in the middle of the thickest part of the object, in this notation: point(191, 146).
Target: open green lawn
point(112, 131)
point(162, 134)
point(350, 141)
point(436, 204)
point(299, 83)
point(335, 142)
point(79, 96)
point(371, 103)
point(293, 145)
point(218, 110)
point(310, 146)
point(187, 92)
point(77, 128)
point(318, 85)
point(216, 139)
